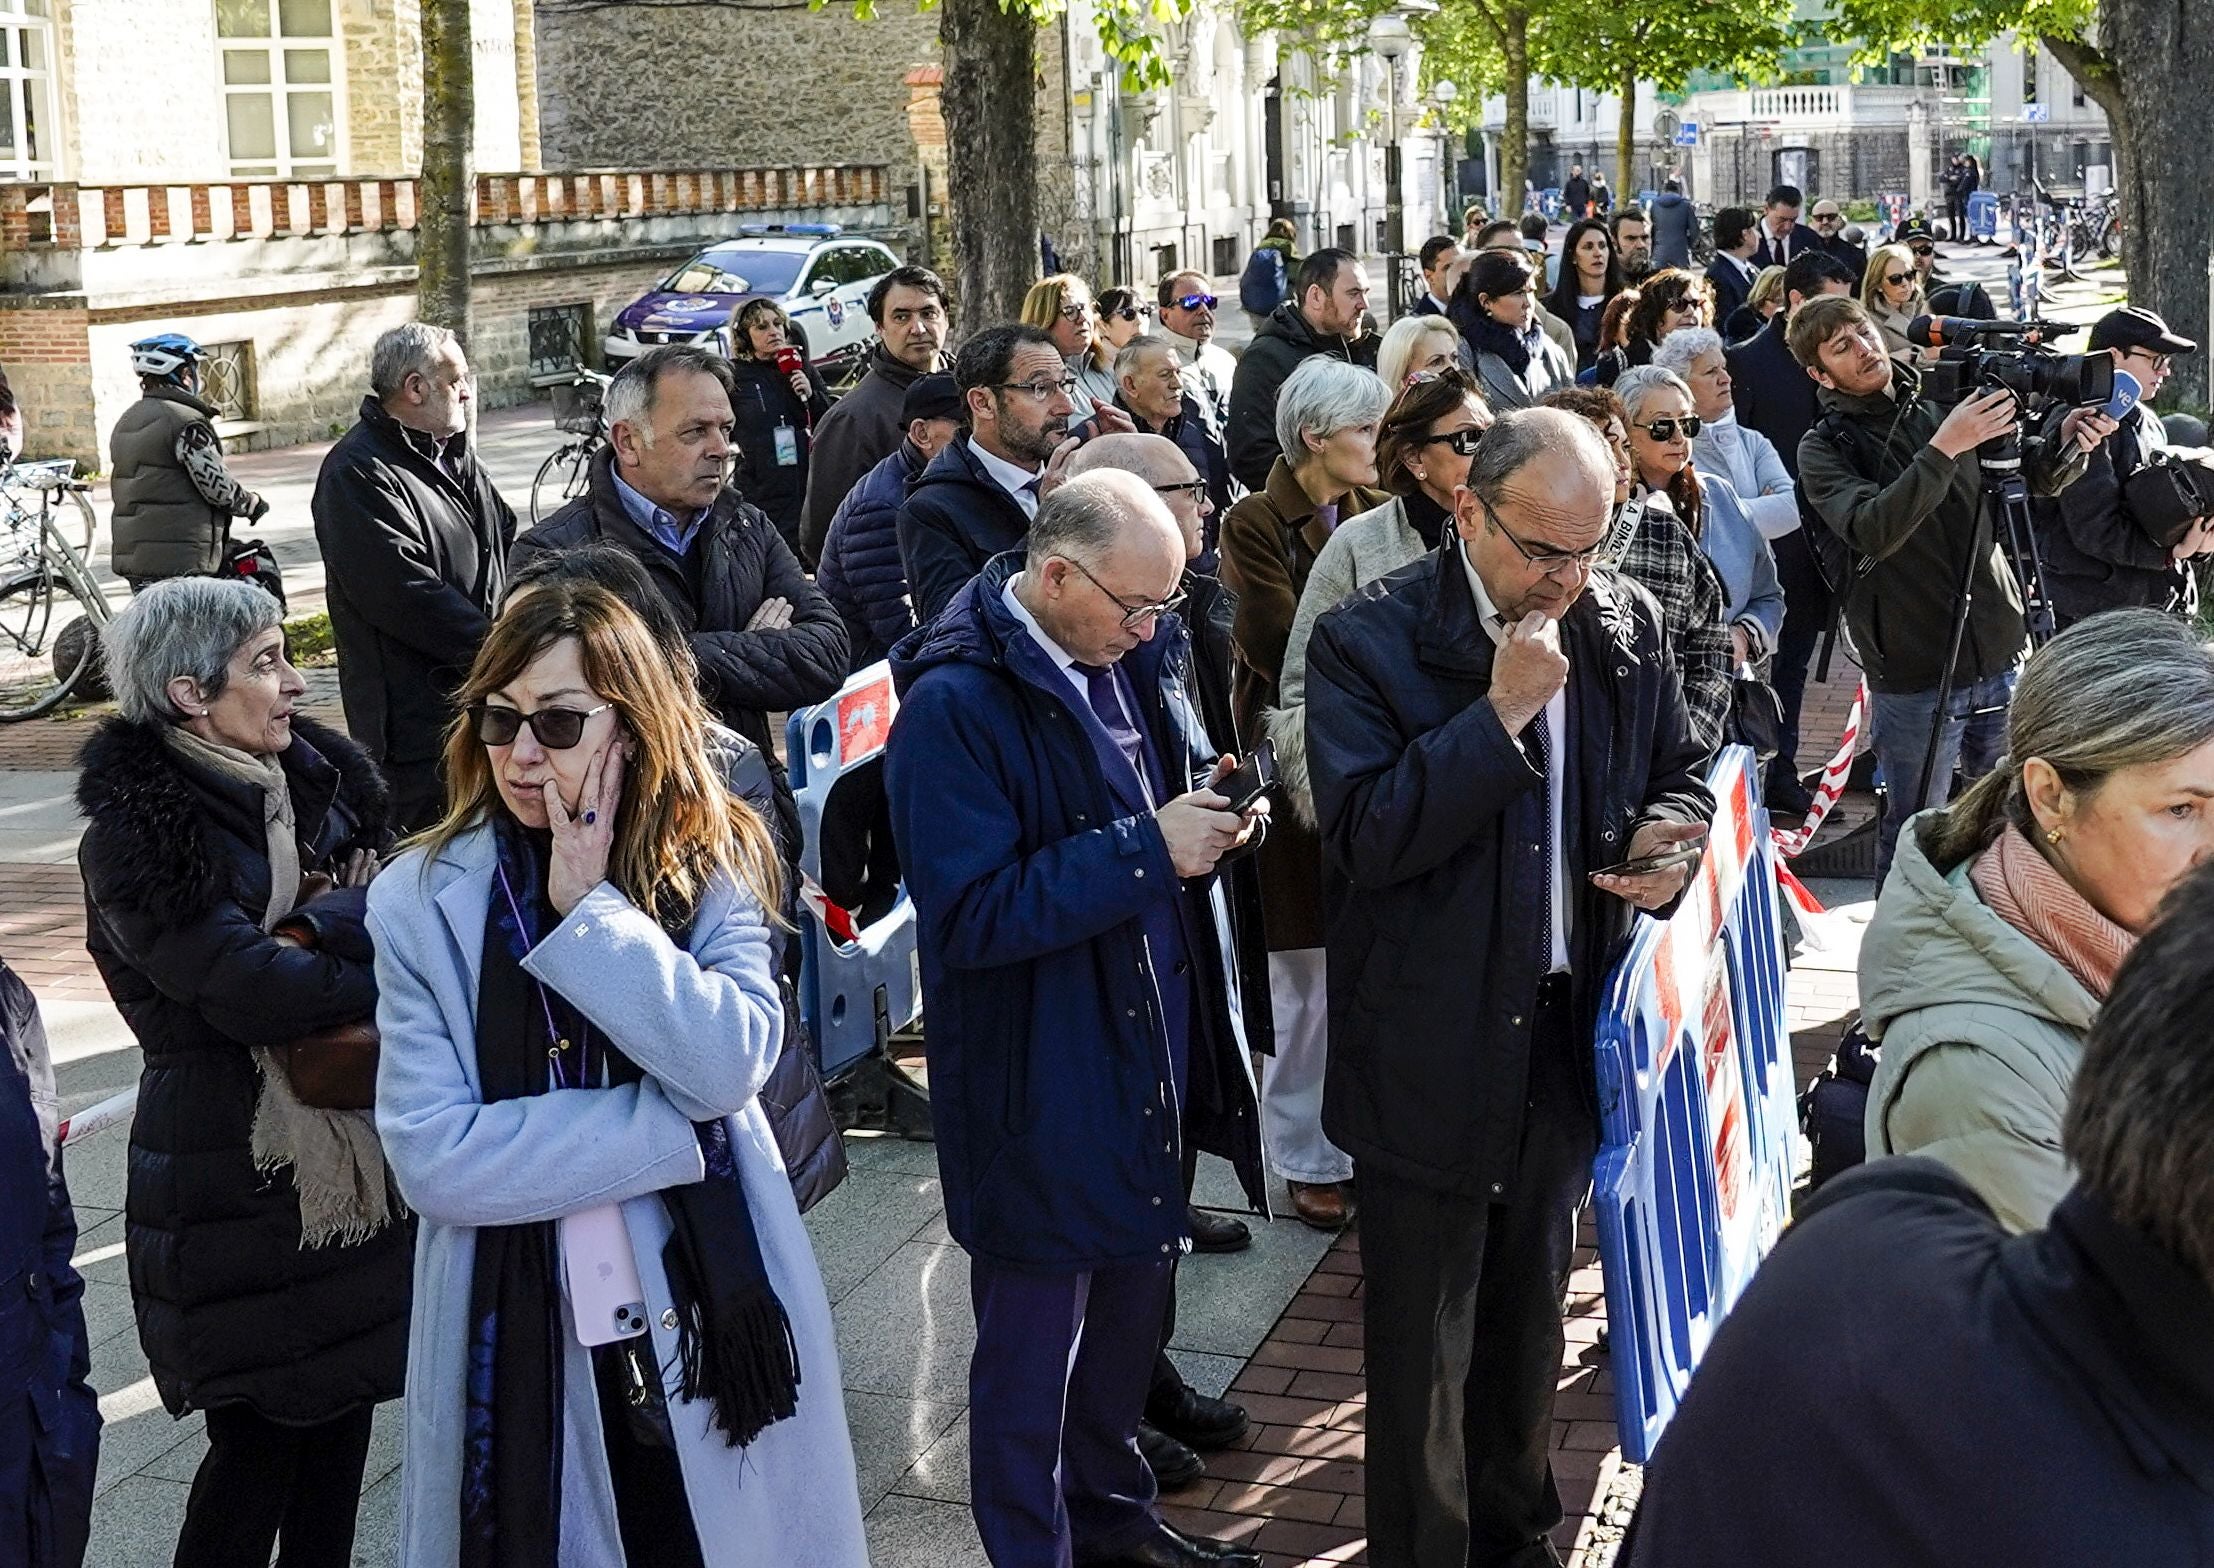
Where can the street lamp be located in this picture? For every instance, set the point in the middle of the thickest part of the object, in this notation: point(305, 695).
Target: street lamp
point(1390, 37)
point(1443, 92)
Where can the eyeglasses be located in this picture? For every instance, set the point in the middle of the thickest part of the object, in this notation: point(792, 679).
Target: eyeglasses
point(1897, 278)
point(1041, 390)
point(1194, 302)
point(1464, 442)
point(1923, 252)
point(557, 729)
point(1550, 562)
point(1074, 312)
point(2158, 362)
point(1181, 487)
point(1132, 614)
point(1665, 428)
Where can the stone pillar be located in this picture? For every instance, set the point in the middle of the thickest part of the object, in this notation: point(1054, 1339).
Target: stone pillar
point(526, 82)
point(1918, 156)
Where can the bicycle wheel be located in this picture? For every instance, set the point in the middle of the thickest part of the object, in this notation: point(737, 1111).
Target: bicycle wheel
point(44, 655)
point(561, 479)
point(88, 522)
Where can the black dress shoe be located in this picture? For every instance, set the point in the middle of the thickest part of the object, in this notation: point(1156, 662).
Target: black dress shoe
point(1195, 1420)
point(1213, 1232)
point(1169, 1547)
point(1173, 1465)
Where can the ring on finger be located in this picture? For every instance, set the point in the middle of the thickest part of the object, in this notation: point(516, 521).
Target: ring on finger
point(591, 815)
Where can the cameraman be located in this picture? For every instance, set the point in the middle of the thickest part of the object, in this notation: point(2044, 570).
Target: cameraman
point(1896, 477)
point(2099, 555)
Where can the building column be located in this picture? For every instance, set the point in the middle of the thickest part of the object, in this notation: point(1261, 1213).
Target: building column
point(1918, 156)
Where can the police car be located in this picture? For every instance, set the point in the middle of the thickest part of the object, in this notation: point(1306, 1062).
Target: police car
point(821, 278)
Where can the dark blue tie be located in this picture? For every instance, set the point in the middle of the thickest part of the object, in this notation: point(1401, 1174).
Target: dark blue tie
point(1534, 741)
point(1106, 699)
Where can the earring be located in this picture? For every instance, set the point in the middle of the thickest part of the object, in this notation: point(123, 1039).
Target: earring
point(2052, 835)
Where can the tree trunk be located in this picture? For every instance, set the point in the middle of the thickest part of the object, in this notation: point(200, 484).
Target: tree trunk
point(1625, 136)
point(990, 107)
point(2151, 82)
point(445, 196)
point(1514, 140)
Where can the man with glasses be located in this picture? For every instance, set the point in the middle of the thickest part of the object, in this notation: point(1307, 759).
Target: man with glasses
point(1896, 477)
point(1186, 309)
point(1159, 402)
point(1487, 730)
point(978, 496)
point(2097, 554)
point(1944, 297)
point(1050, 783)
point(1829, 229)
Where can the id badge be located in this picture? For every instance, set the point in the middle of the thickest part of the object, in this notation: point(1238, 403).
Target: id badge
point(787, 447)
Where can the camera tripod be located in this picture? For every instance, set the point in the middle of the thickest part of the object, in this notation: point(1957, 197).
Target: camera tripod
point(2006, 506)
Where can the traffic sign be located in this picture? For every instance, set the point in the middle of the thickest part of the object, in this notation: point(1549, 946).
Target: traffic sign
point(1667, 125)
point(2037, 114)
point(1687, 134)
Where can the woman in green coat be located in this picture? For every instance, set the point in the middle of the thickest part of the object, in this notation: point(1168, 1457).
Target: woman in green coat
point(2005, 916)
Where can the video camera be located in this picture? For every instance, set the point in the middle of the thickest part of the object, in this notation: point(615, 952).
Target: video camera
point(2036, 375)
point(2168, 494)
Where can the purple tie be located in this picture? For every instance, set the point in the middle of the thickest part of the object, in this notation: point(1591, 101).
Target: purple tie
point(1106, 699)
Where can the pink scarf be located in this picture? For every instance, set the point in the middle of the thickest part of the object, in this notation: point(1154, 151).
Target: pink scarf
point(2022, 888)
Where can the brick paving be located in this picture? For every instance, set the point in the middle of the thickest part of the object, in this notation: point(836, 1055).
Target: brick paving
point(42, 931)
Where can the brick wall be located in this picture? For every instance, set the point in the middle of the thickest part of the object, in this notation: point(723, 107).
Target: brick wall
point(710, 87)
point(49, 367)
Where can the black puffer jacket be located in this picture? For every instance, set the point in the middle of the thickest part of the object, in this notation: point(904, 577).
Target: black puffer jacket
point(231, 1309)
point(760, 401)
point(737, 562)
point(1283, 341)
point(956, 518)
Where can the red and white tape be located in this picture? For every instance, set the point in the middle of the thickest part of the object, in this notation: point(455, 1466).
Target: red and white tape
point(1834, 774)
point(99, 1118)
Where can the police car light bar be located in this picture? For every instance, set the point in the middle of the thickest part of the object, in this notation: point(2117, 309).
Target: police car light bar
point(757, 230)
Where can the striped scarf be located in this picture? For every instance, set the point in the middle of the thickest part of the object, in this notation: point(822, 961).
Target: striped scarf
point(2024, 889)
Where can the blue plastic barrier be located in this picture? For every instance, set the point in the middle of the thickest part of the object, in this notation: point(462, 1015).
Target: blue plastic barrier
point(1983, 215)
point(845, 985)
point(1693, 1179)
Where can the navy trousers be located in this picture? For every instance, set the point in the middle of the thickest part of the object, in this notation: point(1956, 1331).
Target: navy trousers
point(1055, 1391)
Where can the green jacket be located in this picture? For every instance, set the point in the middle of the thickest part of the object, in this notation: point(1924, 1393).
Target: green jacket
point(1913, 512)
point(1982, 1032)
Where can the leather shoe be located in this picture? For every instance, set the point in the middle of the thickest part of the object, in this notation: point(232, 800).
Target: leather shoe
point(1320, 1204)
point(1169, 1547)
point(1213, 1232)
point(1195, 1420)
point(1173, 1465)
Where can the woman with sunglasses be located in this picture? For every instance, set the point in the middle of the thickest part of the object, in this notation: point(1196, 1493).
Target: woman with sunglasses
point(1647, 543)
point(622, 1351)
point(1062, 305)
point(1662, 430)
point(1326, 419)
point(1591, 275)
point(1667, 300)
point(1891, 292)
point(1423, 448)
point(1122, 316)
point(1494, 307)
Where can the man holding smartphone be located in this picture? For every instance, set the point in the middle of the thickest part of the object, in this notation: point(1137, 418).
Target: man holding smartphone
point(1490, 732)
point(1052, 795)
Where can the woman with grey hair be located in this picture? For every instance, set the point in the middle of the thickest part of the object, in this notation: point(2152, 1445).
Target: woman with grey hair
point(227, 846)
point(1326, 422)
point(2005, 916)
point(1723, 447)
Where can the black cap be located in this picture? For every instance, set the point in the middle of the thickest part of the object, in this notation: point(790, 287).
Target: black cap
point(1913, 229)
point(2133, 326)
point(930, 397)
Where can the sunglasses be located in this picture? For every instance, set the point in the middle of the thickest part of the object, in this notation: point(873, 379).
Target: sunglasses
point(1923, 251)
point(1828, 217)
point(1195, 302)
point(1127, 313)
point(1665, 428)
point(557, 729)
point(1464, 442)
point(1897, 278)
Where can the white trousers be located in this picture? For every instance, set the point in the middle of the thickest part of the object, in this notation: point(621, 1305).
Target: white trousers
point(1291, 1080)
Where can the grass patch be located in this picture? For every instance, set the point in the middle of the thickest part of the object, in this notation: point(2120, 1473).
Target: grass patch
point(308, 640)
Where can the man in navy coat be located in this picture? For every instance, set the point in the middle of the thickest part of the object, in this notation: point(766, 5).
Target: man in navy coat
point(1049, 782)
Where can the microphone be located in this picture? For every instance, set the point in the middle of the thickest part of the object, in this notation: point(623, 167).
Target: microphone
point(1946, 331)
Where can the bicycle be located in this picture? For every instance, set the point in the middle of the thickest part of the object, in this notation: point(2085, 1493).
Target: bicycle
point(57, 477)
point(579, 410)
point(51, 606)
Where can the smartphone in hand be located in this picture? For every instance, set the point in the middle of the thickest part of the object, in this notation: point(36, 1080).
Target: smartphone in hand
point(1244, 785)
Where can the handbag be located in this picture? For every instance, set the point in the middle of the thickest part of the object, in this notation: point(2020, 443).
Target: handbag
point(334, 1069)
point(798, 1108)
point(1756, 716)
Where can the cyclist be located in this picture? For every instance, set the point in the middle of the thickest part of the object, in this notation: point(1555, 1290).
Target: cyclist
point(174, 499)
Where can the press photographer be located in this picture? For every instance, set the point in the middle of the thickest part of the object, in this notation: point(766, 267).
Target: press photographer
point(1897, 477)
point(2121, 536)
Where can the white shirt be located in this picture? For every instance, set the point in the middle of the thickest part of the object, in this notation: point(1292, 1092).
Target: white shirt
point(1011, 479)
point(1743, 266)
point(1555, 719)
point(1065, 662)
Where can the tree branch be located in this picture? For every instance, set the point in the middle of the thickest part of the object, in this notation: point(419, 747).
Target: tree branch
point(2092, 68)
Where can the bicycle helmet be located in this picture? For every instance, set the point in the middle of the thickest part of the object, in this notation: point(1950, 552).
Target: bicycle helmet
point(165, 357)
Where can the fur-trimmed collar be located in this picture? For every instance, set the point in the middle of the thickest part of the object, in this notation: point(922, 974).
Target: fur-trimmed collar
point(153, 812)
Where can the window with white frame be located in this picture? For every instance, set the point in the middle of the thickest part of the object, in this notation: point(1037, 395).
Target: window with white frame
point(29, 143)
point(281, 84)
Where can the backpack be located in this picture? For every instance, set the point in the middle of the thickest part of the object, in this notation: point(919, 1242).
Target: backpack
point(1833, 1111)
point(1265, 283)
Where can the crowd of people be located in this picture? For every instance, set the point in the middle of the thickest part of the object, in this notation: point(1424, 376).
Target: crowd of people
point(1286, 740)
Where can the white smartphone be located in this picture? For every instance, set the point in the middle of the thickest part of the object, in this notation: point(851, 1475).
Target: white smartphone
point(605, 1296)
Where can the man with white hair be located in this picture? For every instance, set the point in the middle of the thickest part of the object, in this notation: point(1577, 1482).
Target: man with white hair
point(1487, 730)
point(1053, 797)
point(414, 537)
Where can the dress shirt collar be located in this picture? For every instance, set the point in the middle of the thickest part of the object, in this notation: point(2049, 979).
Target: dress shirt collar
point(1487, 613)
point(1016, 481)
point(675, 534)
point(1063, 660)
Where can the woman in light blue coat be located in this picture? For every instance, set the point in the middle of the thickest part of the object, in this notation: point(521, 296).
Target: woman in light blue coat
point(621, 1349)
point(1662, 429)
